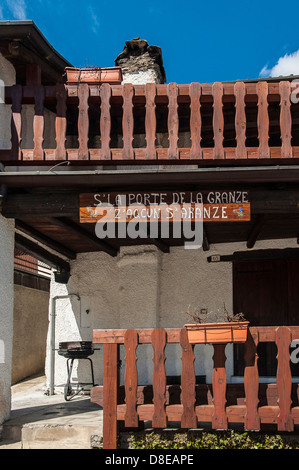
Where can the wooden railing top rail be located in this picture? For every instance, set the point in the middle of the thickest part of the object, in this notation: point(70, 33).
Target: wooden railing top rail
point(116, 336)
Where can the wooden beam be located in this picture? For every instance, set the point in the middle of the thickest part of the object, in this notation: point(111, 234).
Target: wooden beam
point(82, 233)
point(56, 246)
point(40, 253)
point(255, 231)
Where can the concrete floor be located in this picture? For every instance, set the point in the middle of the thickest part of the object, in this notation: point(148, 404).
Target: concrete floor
point(39, 421)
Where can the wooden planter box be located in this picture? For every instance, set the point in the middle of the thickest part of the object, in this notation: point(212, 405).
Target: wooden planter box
point(112, 75)
point(228, 332)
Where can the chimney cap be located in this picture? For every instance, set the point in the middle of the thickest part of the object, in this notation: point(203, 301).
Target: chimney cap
point(137, 47)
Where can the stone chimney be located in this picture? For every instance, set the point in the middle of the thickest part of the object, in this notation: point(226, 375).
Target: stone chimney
point(141, 63)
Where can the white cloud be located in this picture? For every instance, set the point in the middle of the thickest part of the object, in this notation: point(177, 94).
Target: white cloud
point(17, 9)
point(286, 65)
point(94, 19)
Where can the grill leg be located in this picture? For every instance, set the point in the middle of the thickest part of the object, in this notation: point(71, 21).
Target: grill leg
point(68, 388)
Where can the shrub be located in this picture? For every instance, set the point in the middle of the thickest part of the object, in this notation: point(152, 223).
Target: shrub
point(210, 440)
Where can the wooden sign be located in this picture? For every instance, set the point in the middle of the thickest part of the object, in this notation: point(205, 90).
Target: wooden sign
point(206, 206)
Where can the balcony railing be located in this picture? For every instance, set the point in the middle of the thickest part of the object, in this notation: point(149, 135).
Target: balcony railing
point(241, 120)
point(194, 403)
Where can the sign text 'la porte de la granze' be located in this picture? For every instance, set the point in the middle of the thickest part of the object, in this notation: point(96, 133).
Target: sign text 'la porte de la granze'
point(205, 206)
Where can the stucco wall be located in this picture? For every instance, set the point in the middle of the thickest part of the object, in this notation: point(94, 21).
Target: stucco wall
point(143, 287)
point(31, 308)
point(6, 313)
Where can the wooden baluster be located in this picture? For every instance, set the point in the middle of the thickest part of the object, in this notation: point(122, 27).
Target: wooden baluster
point(159, 419)
point(131, 379)
point(83, 121)
point(173, 121)
point(284, 379)
point(195, 120)
point(240, 120)
point(128, 122)
point(188, 398)
point(16, 122)
point(150, 120)
point(218, 120)
point(251, 382)
point(285, 120)
point(110, 390)
point(219, 419)
point(60, 123)
point(105, 121)
point(38, 122)
point(263, 120)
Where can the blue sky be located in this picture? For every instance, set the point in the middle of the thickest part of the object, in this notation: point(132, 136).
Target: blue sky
point(201, 41)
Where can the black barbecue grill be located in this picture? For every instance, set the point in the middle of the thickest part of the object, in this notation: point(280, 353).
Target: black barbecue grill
point(73, 350)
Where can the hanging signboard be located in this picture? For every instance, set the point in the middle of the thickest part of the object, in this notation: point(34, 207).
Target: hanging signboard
point(206, 206)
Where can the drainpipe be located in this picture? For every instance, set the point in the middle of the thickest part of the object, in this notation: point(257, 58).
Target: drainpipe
point(52, 337)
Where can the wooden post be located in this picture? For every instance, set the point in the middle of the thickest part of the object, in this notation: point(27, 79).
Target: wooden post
point(219, 419)
point(60, 124)
point(38, 122)
point(159, 378)
point(188, 398)
point(218, 120)
point(173, 121)
point(285, 120)
point(131, 379)
point(83, 121)
point(195, 120)
point(105, 121)
point(110, 387)
point(240, 120)
point(284, 379)
point(263, 120)
point(150, 120)
point(251, 383)
point(128, 122)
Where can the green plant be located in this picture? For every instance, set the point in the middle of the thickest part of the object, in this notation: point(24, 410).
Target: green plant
point(210, 440)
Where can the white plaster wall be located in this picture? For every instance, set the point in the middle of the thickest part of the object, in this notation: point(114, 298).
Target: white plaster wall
point(6, 313)
point(7, 78)
point(143, 288)
point(141, 77)
point(94, 276)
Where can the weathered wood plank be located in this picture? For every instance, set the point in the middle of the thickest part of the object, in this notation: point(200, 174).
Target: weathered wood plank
point(150, 121)
point(60, 122)
point(218, 120)
point(263, 120)
point(284, 379)
point(251, 383)
point(285, 120)
point(240, 120)
point(159, 419)
point(188, 419)
point(173, 121)
point(83, 121)
point(131, 378)
point(105, 121)
point(195, 120)
point(128, 121)
point(110, 385)
point(219, 418)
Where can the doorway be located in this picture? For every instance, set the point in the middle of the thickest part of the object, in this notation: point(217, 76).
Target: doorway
point(267, 293)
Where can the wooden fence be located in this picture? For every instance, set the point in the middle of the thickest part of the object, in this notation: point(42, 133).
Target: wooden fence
point(250, 409)
point(83, 97)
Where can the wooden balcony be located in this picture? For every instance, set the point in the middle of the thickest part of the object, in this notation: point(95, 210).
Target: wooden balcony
point(251, 403)
point(243, 121)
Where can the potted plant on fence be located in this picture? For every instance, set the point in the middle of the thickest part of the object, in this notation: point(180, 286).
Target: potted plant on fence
point(232, 328)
